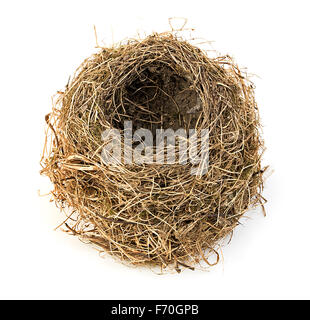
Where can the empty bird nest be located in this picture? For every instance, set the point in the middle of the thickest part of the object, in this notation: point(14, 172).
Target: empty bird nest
point(152, 212)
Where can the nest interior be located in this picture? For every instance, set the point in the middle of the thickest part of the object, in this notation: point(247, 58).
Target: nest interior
point(155, 214)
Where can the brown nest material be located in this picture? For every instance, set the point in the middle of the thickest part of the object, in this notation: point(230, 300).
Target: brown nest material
point(155, 214)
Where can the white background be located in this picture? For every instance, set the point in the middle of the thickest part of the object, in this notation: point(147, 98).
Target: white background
point(41, 44)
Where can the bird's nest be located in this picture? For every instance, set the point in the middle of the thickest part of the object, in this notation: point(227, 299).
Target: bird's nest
point(152, 212)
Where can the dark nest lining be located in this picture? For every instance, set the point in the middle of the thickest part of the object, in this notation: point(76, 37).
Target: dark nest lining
point(159, 98)
point(155, 214)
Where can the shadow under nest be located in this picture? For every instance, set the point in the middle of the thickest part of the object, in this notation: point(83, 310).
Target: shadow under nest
point(155, 213)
